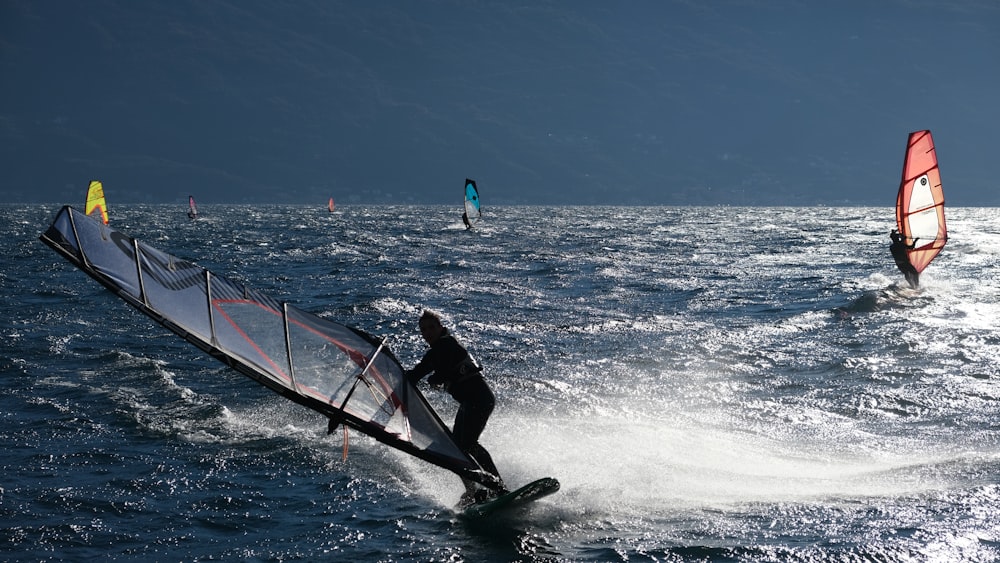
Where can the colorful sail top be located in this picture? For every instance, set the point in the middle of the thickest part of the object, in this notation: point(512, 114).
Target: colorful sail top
point(920, 202)
point(472, 211)
point(192, 208)
point(330, 206)
point(95, 201)
point(341, 372)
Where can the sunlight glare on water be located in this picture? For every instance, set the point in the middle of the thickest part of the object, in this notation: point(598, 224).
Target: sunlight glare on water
point(706, 383)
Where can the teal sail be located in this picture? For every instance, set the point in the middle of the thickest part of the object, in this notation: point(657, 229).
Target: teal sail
point(338, 371)
point(472, 211)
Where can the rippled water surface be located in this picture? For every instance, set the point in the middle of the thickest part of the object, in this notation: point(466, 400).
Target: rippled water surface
point(746, 384)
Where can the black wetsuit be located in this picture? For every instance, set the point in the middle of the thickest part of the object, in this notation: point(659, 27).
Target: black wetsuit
point(898, 249)
point(455, 369)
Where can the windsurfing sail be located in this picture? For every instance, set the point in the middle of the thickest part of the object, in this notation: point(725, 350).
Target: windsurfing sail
point(95, 201)
point(192, 208)
point(472, 211)
point(920, 201)
point(341, 372)
point(330, 205)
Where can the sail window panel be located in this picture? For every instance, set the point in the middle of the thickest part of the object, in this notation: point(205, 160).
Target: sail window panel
point(176, 288)
point(108, 252)
point(921, 196)
point(381, 395)
point(924, 226)
point(416, 421)
point(254, 332)
point(427, 432)
point(327, 359)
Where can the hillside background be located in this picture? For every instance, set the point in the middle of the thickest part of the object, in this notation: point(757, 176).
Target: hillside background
point(582, 102)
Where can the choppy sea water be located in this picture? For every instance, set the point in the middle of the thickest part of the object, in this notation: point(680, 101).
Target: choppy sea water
point(708, 383)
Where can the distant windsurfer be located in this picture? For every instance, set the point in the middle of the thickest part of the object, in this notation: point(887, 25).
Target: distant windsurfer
point(465, 219)
point(898, 248)
point(456, 370)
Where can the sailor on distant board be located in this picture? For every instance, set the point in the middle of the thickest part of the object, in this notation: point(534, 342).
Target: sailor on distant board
point(462, 377)
point(898, 249)
point(465, 219)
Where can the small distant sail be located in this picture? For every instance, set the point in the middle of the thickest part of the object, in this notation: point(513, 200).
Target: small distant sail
point(920, 202)
point(192, 208)
point(472, 210)
point(95, 201)
point(330, 205)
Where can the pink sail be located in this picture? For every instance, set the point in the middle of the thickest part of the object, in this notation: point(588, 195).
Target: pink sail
point(920, 202)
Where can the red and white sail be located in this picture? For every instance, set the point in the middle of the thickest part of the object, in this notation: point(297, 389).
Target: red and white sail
point(920, 202)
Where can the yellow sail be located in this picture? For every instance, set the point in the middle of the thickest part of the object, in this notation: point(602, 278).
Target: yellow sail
point(95, 200)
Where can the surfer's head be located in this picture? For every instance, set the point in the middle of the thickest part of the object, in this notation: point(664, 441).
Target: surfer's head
point(431, 327)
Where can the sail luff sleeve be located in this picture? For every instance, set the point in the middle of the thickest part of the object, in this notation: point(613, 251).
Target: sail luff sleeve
point(138, 273)
point(213, 336)
point(288, 344)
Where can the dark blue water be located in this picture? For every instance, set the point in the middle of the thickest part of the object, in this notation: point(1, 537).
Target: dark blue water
point(722, 384)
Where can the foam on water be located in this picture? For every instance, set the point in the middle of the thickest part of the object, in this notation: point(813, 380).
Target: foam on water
point(706, 383)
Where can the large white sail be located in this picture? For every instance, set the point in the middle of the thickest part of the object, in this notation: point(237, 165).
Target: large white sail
point(341, 372)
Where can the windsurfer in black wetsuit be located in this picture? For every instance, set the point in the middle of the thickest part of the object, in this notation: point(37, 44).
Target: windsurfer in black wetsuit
point(462, 377)
point(465, 219)
point(898, 249)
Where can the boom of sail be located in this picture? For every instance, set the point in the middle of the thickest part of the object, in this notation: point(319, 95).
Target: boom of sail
point(920, 201)
point(341, 372)
point(472, 211)
point(95, 201)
